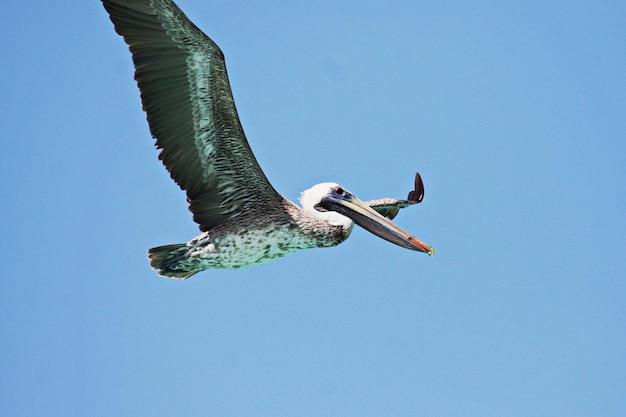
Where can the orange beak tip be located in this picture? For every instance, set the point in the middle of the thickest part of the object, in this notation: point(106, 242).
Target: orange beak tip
point(423, 247)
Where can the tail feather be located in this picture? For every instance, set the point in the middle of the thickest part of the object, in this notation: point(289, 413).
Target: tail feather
point(169, 260)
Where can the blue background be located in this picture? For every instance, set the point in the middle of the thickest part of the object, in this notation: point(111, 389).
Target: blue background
point(514, 113)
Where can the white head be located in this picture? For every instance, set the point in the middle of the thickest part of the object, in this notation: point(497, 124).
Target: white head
point(313, 196)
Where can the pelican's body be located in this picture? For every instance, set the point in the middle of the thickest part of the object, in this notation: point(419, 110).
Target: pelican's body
point(185, 92)
point(249, 240)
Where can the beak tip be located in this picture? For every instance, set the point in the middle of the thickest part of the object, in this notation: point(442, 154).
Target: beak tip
point(428, 250)
point(421, 246)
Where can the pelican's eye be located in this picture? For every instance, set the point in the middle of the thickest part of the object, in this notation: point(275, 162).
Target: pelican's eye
point(339, 190)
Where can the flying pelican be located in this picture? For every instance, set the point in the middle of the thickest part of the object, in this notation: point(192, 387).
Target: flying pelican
point(185, 92)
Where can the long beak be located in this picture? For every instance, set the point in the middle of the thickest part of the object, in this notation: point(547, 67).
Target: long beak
point(366, 217)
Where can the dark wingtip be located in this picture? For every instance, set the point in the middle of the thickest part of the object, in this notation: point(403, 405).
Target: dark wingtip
point(417, 195)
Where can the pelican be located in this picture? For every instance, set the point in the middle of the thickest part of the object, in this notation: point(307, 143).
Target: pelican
point(185, 92)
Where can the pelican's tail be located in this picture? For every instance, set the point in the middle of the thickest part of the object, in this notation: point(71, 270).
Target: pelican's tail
point(172, 261)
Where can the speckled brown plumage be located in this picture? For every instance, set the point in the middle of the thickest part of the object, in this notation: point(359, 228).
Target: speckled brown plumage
point(253, 238)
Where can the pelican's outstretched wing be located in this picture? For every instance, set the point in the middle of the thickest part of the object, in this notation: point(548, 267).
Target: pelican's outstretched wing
point(389, 207)
point(185, 92)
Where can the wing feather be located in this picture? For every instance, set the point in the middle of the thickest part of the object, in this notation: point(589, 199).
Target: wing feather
point(185, 92)
point(389, 207)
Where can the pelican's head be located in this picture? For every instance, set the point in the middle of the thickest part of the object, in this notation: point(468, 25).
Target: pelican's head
point(337, 206)
point(311, 198)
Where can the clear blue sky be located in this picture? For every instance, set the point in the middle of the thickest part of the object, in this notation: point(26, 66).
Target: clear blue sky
point(514, 113)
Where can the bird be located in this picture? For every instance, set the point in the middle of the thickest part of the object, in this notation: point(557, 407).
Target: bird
point(186, 95)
